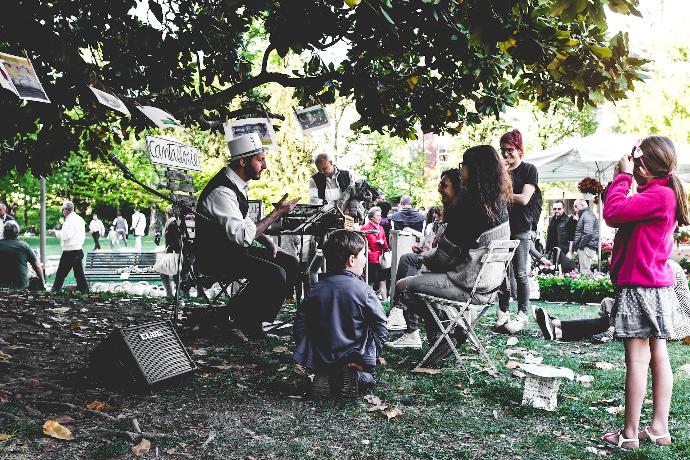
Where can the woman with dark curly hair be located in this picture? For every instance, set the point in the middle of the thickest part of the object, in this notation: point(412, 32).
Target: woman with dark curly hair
point(479, 216)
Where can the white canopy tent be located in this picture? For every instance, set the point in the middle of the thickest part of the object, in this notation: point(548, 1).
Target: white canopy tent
point(593, 156)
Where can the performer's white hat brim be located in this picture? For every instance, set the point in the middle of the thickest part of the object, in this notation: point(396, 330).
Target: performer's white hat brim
point(245, 146)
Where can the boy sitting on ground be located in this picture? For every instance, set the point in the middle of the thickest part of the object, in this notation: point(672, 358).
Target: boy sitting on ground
point(341, 327)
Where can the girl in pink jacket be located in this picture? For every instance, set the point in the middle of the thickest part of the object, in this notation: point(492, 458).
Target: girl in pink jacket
point(646, 312)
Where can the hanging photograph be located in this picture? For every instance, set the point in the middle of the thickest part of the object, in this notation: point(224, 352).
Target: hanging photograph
point(24, 79)
point(261, 126)
point(109, 100)
point(159, 117)
point(312, 119)
point(5, 81)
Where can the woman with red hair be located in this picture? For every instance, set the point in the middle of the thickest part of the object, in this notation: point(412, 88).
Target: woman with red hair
point(522, 215)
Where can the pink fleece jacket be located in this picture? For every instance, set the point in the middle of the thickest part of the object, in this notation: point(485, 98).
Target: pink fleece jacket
point(645, 221)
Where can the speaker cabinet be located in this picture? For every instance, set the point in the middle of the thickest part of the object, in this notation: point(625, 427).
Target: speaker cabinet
point(141, 357)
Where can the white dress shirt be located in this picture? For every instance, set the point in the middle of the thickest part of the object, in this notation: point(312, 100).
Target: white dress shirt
point(332, 192)
point(222, 204)
point(139, 224)
point(96, 226)
point(73, 232)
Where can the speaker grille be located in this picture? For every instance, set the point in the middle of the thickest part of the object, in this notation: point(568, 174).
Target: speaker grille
point(157, 350)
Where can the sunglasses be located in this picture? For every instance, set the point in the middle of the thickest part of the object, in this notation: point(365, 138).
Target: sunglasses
point(505, 150)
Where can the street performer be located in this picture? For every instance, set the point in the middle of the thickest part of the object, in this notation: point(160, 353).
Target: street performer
point(327, 185)
point(224, 244)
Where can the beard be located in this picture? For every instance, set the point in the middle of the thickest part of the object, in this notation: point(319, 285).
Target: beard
point(251, 173)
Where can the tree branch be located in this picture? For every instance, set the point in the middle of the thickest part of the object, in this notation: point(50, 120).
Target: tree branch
point(264, 61)
point(226, 95)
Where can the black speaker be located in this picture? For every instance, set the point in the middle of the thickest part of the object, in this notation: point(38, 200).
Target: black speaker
point(141, 357)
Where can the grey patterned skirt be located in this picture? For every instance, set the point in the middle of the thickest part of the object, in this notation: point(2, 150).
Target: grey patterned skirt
point(649, 313)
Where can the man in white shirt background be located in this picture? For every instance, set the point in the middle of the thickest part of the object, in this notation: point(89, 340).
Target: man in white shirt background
point(97, 230)
point(139, 227)
point(72, 236)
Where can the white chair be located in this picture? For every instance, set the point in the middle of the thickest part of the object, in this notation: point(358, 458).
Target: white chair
point(460, 313)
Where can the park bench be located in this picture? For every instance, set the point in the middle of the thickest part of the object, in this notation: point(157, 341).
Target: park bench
point(109, 266)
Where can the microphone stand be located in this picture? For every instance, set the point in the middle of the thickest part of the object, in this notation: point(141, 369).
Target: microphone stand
point(177, 205)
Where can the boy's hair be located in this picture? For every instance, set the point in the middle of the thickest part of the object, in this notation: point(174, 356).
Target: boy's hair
point(340, 245)
point(660, 159)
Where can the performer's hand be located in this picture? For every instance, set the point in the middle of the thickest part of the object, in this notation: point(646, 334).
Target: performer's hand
point(284, 205)
point(417, 249)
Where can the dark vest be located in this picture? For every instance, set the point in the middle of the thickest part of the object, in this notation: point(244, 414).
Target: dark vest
point(343, 179)
point(213, 247)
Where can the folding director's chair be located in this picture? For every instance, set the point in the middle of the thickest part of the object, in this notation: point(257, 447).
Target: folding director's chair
point(458, 313)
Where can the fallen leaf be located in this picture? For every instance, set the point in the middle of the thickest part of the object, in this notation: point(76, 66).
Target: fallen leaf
point(59, 310)
point(686, 340)
point(5, 395)
point(373, 399)
point(495, 414)
point(382, 361)
point(200, 352)
point(366, 442)
point(685, 368)
point(519, 374)
point(605, 402)
point(512, 364)
point(604, 365)
point(280, 349)
point(5, 437)
point(585, 380)
point(615, 410)
point(426, 370)
point(4, 356)
point(512, 341)
point(46, 326)
point(55, 430)
point(531, 359)
point(100, 406)
point(602, 452)
point(32, 383)
point(221, 367)
point(392, 412)
point(142, 448)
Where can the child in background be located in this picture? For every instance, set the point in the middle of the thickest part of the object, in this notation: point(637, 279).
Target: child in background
point(112, 237)
point(341, 327)
point(646, 312)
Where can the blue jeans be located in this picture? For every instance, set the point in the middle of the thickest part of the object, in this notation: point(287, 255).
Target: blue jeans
point(519, 269)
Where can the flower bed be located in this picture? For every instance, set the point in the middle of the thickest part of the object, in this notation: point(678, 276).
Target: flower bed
point(573, 287)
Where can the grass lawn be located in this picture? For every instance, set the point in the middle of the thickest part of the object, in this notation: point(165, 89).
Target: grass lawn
point(252, 398)
point(53, 249)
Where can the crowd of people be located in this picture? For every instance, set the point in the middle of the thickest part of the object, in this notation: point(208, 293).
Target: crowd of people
point(340, 328)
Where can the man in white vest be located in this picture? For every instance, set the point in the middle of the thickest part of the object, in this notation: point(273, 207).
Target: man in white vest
point(72, 237)
point(139, 227)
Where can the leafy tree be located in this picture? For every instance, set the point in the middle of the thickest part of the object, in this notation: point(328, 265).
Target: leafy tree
point(408, 62)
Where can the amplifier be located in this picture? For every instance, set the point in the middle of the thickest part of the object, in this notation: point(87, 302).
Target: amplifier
point(140, 357)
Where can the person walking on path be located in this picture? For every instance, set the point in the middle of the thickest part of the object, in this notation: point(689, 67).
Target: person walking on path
point(72, 236)
point(525, 185)
point(121, 227)
point(646, 310)
point(586, 240)
point(97, 230)
point(139, 227)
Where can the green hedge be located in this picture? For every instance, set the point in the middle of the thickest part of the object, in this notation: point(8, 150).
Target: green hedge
point(575, 288)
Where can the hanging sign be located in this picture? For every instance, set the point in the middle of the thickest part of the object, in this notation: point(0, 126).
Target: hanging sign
point(172, 153)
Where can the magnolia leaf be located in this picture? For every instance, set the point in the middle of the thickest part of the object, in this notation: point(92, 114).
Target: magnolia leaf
point(4, 356)
point(512, 364)
point(5, 437)
point(373, 399)
point(392, 412)
point(604, 365)
point(426, 370)
point(142, 448)
point(615, 410)
point(585, 380)
point(55, 430)
point(100, 406)
point(512, 341)
point(280, 349)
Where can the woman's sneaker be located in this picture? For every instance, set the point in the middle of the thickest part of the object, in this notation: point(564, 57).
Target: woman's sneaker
point(604, 337)
point(396, 320)
point(502, 317)
point(407, 340)
point(517, 324)
point(545, 324)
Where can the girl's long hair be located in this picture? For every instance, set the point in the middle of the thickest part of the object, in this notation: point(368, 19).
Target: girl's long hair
point(488, 181)
point(660, 159)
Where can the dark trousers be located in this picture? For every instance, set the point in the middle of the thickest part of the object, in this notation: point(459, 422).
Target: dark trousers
point(583, 328)
point(519, 269)
point(96, 244)
point(71, 260)
point(408, 265)
point(269, 280)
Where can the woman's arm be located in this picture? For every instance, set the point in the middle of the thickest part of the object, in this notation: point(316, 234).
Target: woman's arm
point(620, 208)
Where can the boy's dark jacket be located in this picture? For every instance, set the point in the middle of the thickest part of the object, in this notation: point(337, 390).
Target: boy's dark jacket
point(341, 319)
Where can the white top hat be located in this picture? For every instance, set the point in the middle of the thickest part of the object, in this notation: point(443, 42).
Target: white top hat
point(245, 146)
